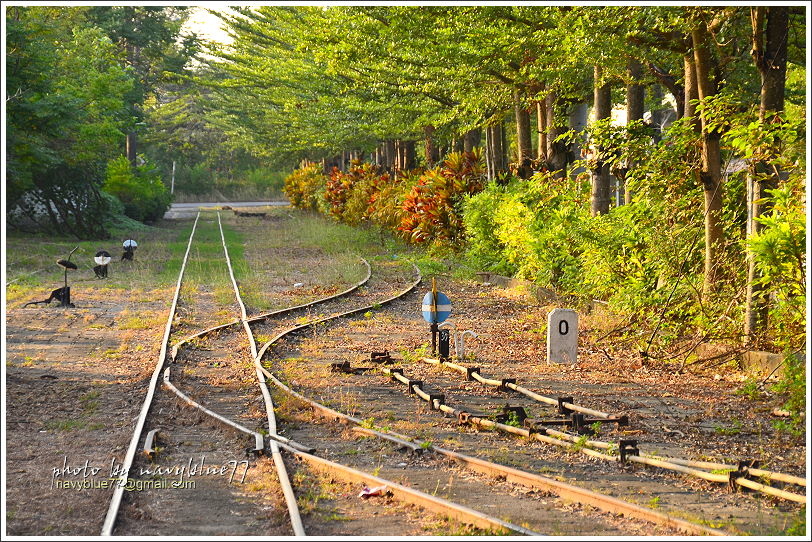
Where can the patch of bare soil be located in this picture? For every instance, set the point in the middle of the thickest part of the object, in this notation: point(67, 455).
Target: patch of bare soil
point(75, 380)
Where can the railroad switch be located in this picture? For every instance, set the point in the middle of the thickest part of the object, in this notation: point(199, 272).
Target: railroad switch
point(469, 372)
point(626, 448)
point(563, 409)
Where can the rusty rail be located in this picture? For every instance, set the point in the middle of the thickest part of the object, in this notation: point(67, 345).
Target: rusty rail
point(602, 502)
point(281, 469)
point(121, 482)
point(532, 480)
point(558, 438)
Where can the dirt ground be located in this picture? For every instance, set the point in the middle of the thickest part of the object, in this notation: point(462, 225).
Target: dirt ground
point(75, 381)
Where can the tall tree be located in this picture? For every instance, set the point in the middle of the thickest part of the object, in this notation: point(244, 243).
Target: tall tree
point(769, 51)
point(149, 37)
point(65, 119)
point(711, 174)
point(599, 202)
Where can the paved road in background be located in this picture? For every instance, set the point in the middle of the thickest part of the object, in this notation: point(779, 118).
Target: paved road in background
point(189, 210)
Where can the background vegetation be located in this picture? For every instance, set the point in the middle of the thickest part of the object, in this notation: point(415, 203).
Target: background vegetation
point(652, 158)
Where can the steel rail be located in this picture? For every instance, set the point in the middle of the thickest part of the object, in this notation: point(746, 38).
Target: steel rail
point(269, 315)
point(259, 442)
point(527, 479)
point(121, 482)
point(579, 444)
point(584, 496)
point(281, 470)
point(435, 504)
point(453, 510)
point(310, 323)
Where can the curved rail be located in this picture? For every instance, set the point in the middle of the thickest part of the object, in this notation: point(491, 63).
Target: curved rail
point(268, 315)
point(310, 323)
point(602, 502)
point(281, 470)
point(453, 510)
point(121, 482)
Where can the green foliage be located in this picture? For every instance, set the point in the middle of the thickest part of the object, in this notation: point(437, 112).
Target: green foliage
point(779, 250)
point(792, 388)
point(140, 189)
point(304, 186)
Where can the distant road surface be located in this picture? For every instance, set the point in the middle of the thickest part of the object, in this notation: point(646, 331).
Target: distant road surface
point(189, 210)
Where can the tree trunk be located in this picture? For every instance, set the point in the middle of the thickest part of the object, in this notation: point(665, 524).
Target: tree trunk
point(556, 150)
point(430, 151)
point(770, 57)
point(496, 146)
point(635, 91)
point(711, 174)
point(130, 148)
point(577, 122)
point(524, 148)
point(599, 201)
point(691, 91)
point(389, 154)
point(635, 107)
point(471, 139)
point(409, 154)
point(541, 128)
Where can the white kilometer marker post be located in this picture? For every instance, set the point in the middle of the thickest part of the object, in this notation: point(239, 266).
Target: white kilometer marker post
point(562, 336)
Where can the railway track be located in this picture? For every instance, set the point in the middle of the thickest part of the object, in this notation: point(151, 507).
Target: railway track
point(188, 370)
point(215, 404)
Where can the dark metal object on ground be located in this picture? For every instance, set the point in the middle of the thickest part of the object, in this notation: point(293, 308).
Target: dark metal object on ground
point(345, 367)
point(445, 347)
point(511, 413)
point(381, 357)
point(102, 258)
point(60, 294)
point(626, 448)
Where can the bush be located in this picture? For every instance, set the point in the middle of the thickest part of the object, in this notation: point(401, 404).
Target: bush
point(140, 189)
point(779, 250)
point(431, 209)
point(197, 179)
point(305, 187)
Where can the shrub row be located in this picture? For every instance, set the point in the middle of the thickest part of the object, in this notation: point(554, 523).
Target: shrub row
point(422, 206)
